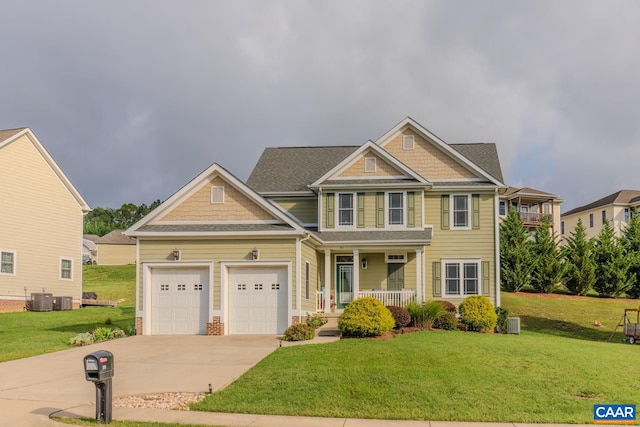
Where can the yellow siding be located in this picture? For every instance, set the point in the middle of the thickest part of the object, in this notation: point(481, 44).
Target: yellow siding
point(41, 222)
point(116, 254)
point(382, 168)
point(217, 251)
point(309, 255)
point(426, 159)
point(306, 210)
point(370, 210)
point(198, 206)
point(456, 244)
point(375, 276)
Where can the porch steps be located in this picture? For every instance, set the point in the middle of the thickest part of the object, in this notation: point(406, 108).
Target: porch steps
point(329, 329)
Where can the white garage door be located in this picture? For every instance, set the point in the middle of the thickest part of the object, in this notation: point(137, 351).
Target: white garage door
point(257, 300)
point(179, 301)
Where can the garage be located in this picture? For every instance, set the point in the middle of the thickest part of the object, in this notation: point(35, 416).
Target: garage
point(258, 300)
point(180, 301)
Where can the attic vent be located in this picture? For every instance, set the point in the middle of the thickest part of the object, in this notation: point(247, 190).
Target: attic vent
point(217, 195)
point(407, 142)
point(370, 164)
point(396, 258)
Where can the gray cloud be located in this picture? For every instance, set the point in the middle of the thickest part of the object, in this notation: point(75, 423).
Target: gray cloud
point(133, 99)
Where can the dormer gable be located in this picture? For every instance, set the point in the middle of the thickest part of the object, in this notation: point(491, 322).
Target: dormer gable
point(431, 157)
point(215, 202)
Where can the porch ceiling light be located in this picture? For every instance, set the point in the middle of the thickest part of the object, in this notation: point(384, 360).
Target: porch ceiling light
point(364, 263)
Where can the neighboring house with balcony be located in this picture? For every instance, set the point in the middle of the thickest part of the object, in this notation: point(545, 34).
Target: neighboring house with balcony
point(532, 207)
point(406, 217)
point(615, 208)
point(41, 216)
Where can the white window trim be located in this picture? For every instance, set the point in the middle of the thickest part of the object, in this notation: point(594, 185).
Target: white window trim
point(408, 142)
point(546, 208)
point(502, 204)
point(354, 212)
point(369, 164)
point(70, 259)
point(452, 213)
point(213, 189)
point(15, 262)
point(460, 262)
point(387, 217)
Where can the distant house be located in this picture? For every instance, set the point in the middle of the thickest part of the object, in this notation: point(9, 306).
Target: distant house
point(615, 208)
point(532, 206)
point(89, 248)
point(404, 218)
point(116, 249)
point(39, 204)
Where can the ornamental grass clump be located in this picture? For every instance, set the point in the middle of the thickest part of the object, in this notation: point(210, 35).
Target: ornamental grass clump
point(478, 314)
point(423, 315)
point(365, 317)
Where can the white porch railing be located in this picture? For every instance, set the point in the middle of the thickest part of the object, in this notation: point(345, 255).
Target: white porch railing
point(398, 298)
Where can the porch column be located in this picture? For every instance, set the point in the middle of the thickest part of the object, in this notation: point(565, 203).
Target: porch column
point(327, 281)
point(356, 273)
point(419, 276)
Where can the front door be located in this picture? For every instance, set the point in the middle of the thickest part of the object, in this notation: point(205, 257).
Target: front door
point(344, 284)
point(395, 277)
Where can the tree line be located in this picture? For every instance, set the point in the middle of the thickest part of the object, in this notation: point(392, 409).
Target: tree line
point(101, 221)
point(607, 264)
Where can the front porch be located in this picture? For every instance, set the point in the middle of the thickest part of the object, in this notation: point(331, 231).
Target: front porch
point(397, 298)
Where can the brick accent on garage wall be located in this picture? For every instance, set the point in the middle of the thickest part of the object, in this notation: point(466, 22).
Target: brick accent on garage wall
point(138, 325)
point(216, 327)
point(7, 305)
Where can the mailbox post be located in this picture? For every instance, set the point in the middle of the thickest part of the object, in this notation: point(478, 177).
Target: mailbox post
point(98, 368)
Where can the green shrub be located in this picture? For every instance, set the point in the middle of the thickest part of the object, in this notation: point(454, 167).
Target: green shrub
point(79, 340)
point(423, 315)
point(446, 321)
point(502, 314)
point(365, 317)
point(102, 334)
point(129, 330)
point(400, 315)
point(477, 314)
point(299, 332)
point(118, 333)
point(108, 321)
point(315, 320)
point(448, 306)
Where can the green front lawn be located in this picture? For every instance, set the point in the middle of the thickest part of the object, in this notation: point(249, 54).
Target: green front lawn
point(26, 334)
point(444, 376)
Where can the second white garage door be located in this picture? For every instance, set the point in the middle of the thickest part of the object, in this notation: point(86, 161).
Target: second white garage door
point(258, 300)
point(180, 301)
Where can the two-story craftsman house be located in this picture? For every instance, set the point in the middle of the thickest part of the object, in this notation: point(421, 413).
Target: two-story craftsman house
point(406, 217)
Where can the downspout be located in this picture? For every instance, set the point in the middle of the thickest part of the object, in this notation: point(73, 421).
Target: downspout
point(497, 244)
point(299, 273)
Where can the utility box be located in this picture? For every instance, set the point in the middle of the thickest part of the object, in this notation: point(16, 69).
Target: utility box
point(98, 366)
point(513, 325)
point(62, 303)
point(41, 302)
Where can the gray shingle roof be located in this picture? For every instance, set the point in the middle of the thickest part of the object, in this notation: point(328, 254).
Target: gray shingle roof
point(622, 196)
point(8, 133)
point(418, 236)
point(283, 169)
point(212, 228)
point(116, 237)
point(484, 155)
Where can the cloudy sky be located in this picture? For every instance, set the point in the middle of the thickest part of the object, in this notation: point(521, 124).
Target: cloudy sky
point(135, 98)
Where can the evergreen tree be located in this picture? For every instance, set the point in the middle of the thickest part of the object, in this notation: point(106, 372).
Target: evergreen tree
point(516, 262)
point(612, 264)
point(631, 243)
point(580, 262)
point(549, 268)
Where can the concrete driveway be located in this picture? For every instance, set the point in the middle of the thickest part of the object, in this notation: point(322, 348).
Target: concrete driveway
point(31, 389)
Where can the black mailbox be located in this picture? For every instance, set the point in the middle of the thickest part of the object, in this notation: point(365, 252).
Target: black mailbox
point(98, 366)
